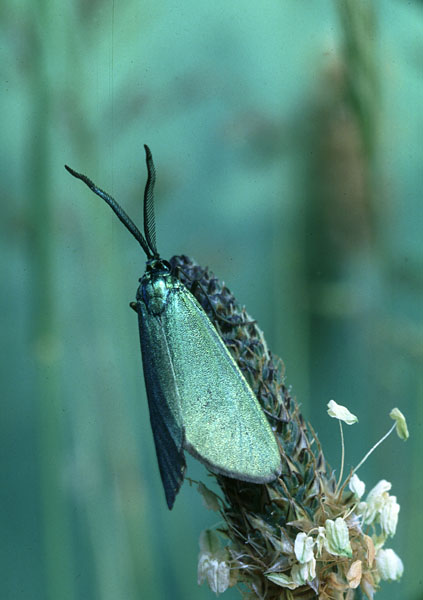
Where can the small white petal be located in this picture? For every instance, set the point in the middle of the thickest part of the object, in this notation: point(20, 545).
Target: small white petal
point(211, 562)
point(389, 565)
point(299, 574)
point(217, 573)
point(203, 567)
point(303, 547)
point(219, 580)
point(337, 538)
point(320, 540)
point(375, 501)
point(311, 567)
point(357, 486)
point(402, 429)
point(341, 412)
point(389, 516)
point(302, 574)
point(381, 487)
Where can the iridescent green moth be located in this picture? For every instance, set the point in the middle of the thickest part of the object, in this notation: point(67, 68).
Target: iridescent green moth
point(197, 396)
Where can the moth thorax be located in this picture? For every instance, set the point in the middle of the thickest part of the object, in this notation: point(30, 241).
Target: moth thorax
point(154, 291)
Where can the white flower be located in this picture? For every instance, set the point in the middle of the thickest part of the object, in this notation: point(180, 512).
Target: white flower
point(389, 565)
point(375, 500)
point(357, 486)
point(304, 572)
point(303, 548)
point(337, 537)
point(377, 491)
point(389, 515)
point(212, 564)
point(341, 412)
point(217, 573)
point(401, 423)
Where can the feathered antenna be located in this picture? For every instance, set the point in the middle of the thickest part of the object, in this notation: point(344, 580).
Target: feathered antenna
point(149, 220)
point(148, 243)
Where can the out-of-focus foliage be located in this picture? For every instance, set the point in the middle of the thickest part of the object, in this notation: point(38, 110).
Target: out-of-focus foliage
point(287, 140)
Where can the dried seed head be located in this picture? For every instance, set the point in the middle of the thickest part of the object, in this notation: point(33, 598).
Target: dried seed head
point(272, 534)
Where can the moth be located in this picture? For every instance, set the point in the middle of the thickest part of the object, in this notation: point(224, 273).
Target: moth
point(198, 398)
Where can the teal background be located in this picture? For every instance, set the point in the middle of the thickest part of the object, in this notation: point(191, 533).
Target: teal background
point(287, 140)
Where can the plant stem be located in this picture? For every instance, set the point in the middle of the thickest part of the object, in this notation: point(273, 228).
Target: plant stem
point(341, 472)
point(373, 448)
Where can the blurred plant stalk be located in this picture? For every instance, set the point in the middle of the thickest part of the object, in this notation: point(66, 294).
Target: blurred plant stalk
point(56, 519)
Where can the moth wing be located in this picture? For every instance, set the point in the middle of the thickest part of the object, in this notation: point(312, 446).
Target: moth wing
point(163, 404)
point(224, 425)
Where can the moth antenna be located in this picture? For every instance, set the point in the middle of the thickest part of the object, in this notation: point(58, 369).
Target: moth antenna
point(117, 209)
point(149, 219)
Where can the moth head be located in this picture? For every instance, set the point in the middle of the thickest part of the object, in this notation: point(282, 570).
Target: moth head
point(158, 265)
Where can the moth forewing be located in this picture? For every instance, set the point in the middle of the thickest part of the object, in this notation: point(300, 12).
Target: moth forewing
point(223, 424)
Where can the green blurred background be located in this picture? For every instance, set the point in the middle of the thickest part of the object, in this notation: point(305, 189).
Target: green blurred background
point(287, 140)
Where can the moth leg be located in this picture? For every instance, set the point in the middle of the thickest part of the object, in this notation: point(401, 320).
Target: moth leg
point(133, 305)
